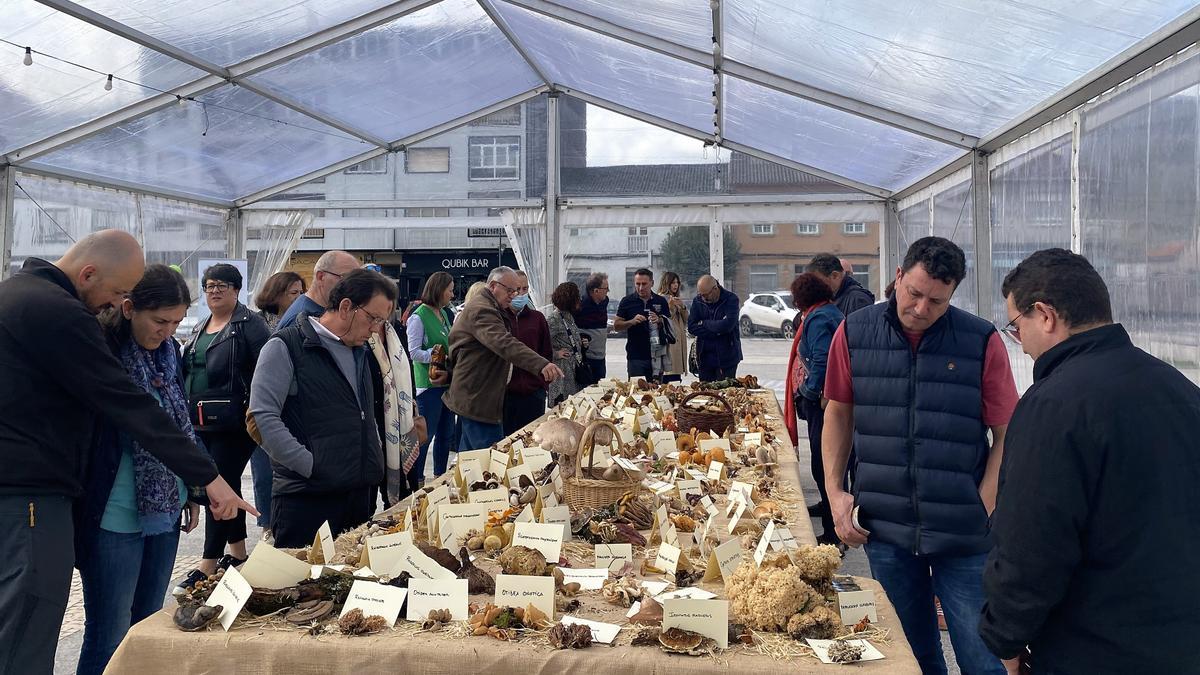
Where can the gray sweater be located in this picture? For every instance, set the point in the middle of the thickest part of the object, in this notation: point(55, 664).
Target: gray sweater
point(269, 391)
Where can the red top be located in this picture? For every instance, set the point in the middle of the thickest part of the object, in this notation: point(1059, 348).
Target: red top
point(999, 390)
point(531, 328)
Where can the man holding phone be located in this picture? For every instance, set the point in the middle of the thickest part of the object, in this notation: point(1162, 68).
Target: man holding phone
point(641, 314)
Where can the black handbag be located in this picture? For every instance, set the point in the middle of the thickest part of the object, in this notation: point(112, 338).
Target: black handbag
point(217, 412)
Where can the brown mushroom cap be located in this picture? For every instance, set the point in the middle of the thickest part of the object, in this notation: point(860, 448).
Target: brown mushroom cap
point(559, 435)
point(679, 640)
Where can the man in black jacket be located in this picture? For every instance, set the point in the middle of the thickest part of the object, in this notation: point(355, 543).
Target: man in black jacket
point(56, 374)
point(1095, 550)
point(848, 294)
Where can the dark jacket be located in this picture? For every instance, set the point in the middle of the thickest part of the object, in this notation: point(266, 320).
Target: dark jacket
point(817, 334)
point(637, 342)
point(105, 459)
point(918, 430)
point(56, 374)
point(482, 353)
point(531, 328)
point(232, 354)
point(326, 416)
point(718, 344)
point(1095, 526)
point(852, 296)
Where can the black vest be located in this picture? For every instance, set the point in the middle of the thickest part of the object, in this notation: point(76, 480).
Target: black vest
point(323, 413)
point(918, 432)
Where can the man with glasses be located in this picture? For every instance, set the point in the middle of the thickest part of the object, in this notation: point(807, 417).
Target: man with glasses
point(1095, 549)
point(714, 322)
point(924, 392)
point(483, 352)
point(592, 320)
point(313, 400)
point(329, 270)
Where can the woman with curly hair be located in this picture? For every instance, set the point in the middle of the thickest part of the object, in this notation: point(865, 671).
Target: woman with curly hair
point(820, 318)
point(564, 340)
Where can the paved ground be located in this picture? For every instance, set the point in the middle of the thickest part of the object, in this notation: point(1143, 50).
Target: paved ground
point(764, 357)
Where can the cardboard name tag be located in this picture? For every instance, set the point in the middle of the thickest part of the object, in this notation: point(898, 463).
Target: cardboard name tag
point(663, 443)
point(231, 595)
point(455, 520)
point(854, 605)
point(709, 618)
point(536, 458)
point(723, 561)
point(545, 537)
point(610, 556)
point(440, 495)
point(495, 500)
point(517, 591)
point(323, 543)
point(428, 594)
point(384, 551)
point(469, 471)
point(515, 473)
point(603, 633)
point(499, 463)
point(420, 566)
point(588, 579)
point(668, 558)
point(689, 487)
point(268, 567)
point(375, 600)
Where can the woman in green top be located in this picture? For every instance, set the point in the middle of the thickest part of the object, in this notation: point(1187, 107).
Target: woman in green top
point(129, 518)
point(427, 327)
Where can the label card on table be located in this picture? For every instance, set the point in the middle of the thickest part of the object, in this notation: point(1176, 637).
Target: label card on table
point(626, 464)
point(663, 403)
point(268, 567)
point(495, 499)
point(663, 443)
point(737, 515)
point(697, 474)
point(715, 470)
point(482, 456)
point(517, 591)
point(752, 440)
point(688, 487)
point(668, 558)
point(375, 600)
point(655, 587)
point(724, 560)
point(458, 519)
point(784, 540)
point(428, 594)
point(626, 436)
point(470, 471)
point(549, 500)
point(603, 633)
point(588, 579)
point(384, 551)
point(559, 515)
point(499, 463)
point(689, 592)
point(660, 516)
point(610, 556)
point(821, 649)
point(764, 543)
point(854, 605)
point(670, 535)
point(709, 618)
point(745, 489)
point(645, 422)
point(526, 516)
point(439, 496)
point(515, 473)
point(659, 487)
point(545, 537)
point(420, 566)
point(231, 594)
point(536, 458)
point(708, 444)
point(323, 542)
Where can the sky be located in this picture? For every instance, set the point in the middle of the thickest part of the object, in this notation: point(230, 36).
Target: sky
point(616, 139)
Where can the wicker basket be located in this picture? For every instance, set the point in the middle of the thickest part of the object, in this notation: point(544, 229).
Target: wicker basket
point(702, 420)
point(587, 489)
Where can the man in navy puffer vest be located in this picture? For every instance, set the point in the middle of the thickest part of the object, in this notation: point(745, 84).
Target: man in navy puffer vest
point(917, 385)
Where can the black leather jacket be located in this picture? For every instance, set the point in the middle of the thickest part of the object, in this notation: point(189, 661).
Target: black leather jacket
point(233, 353)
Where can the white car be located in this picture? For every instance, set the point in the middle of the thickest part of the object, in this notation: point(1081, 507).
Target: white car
point(768, 312)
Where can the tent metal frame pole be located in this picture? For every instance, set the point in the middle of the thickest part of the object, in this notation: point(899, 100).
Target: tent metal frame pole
point(716, 200)
point(716, 247)
point(553, 262)
point(8, 176)
point(788, 86)
point(235, 235)
point(982, 215)
point(352, 204)
point(889, 252)
point(497, 19)
point(1076, 213)
point(718, 22)
point(124, 186)
point(941, 174)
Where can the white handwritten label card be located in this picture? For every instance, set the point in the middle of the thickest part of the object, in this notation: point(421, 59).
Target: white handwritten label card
point(545, 537)
point(375, 600)
point(668, 558)
point(428, 594)
point(231, 595)
point(517, 591)
point(854, 605)
point(323, 542)
point(613, 556)
point(709, 618)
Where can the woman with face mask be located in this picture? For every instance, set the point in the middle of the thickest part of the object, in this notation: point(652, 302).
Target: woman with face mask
point(525, 398)
point(128, 522)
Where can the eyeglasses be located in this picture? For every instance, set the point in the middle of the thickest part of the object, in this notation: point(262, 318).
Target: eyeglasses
point(1012, 330)
point(219, 287)
point(375, 320)
point(332, 274)
point(511, 290)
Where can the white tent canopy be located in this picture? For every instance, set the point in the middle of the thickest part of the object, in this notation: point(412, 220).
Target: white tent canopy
point(224, 103)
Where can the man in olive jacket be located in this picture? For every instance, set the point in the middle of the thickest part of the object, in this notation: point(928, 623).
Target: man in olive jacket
point(1095, 557)
point(483, 352)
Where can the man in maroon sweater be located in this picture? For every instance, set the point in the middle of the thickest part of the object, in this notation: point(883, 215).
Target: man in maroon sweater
point(525, 398)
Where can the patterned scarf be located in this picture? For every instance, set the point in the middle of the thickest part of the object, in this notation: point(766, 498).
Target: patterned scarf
point(400, 439)
point(156, 488)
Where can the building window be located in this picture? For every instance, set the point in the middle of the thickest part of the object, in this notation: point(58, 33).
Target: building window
point(763, 229)
point(170, 225)
point(573, 232)
point(808, 229)
point(763, 278)
point(427, 212)
point(494, 157)
point(314, 233)
point(427, 160)
point(508, 117)
point(638, 240)
point(373, 165)
point(854, 228)
point(862, 274)
point(579, 278)
point(54, 226)
point(318, 180)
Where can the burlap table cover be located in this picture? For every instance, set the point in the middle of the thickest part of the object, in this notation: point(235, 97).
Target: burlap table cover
point(157, 646)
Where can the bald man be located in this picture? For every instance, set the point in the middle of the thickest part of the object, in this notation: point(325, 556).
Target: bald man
point(56, 375)
point(329, 270)
point(714, 322)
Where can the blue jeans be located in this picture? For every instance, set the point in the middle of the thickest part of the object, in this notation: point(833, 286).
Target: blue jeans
point(439, 420)
point(260, 469)
point(911, 581)
point(125, 578)
point(477, 435)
